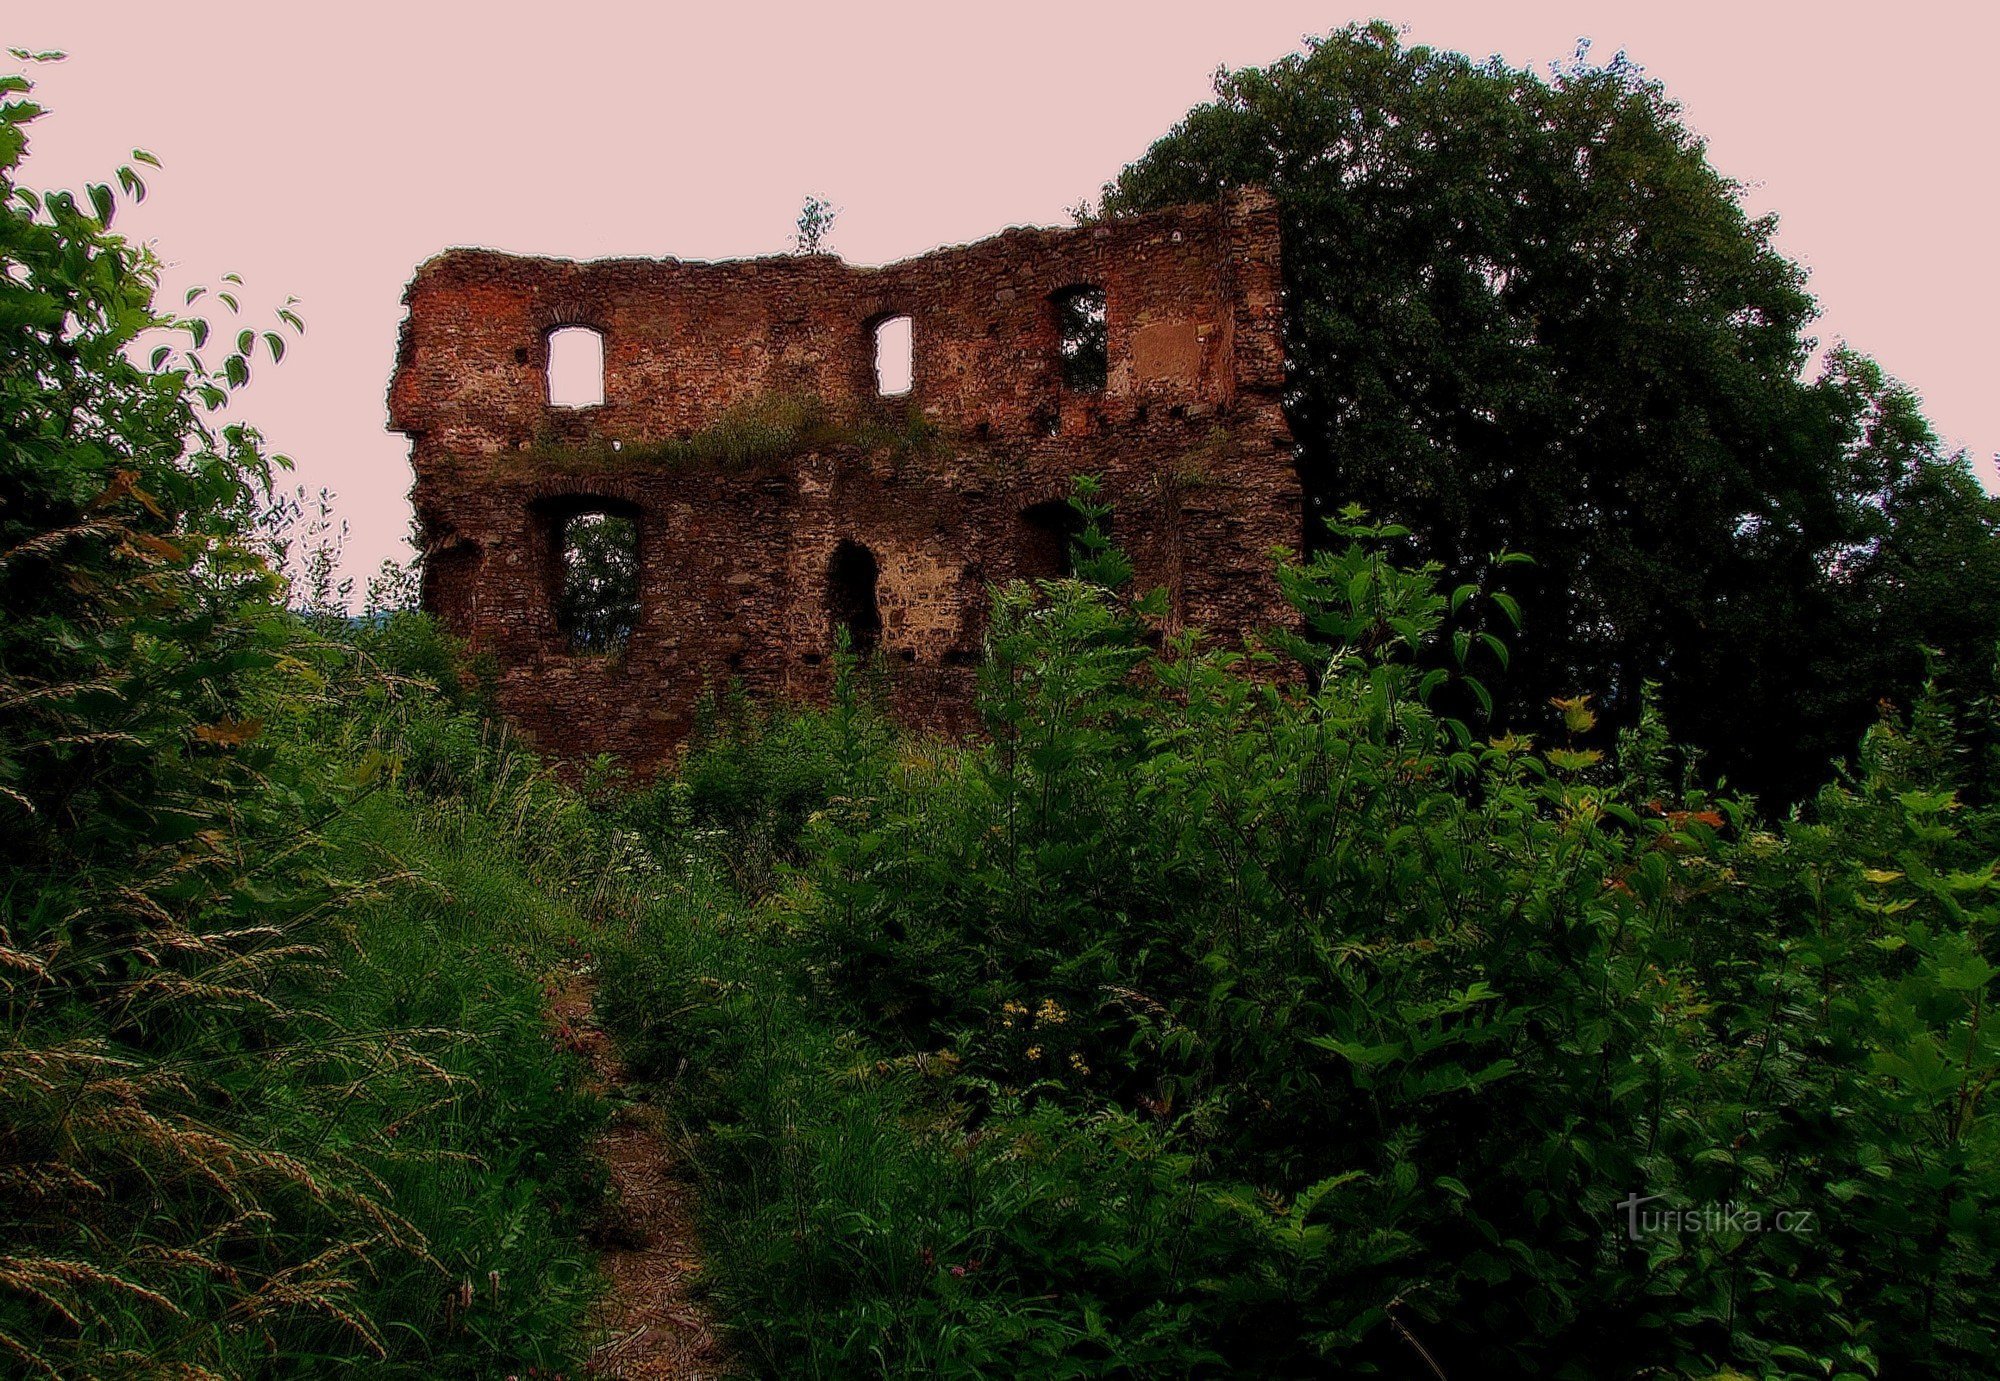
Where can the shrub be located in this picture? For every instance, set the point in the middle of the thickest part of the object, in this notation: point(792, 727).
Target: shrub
point(1241, 1010)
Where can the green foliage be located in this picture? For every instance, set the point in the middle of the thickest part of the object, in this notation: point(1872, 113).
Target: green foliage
point(1081, 329)
point(1524, 312)
point(816, 217)
point(1246, 1012)
point(766, 430)
point(755, 776)
point(598, 604)
point(271, 1102)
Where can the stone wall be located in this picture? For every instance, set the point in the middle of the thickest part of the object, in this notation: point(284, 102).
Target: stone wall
point(944, 486)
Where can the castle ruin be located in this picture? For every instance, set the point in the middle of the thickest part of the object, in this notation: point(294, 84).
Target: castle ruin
point(752, 443)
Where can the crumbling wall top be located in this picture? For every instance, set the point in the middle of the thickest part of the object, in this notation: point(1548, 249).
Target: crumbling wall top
point(1191, 299)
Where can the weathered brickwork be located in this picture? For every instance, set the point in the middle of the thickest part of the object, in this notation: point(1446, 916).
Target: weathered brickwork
point(1187, 435)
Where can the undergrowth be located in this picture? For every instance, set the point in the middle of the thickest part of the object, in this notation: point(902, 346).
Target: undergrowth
point(1253, 1011)
point(1244, 1013)
point(276, 1094)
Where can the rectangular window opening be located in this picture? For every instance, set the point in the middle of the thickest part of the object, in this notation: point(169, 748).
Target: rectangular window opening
point(893, 352)
point(597, 603)
point(1085, 347)
point(576, 367)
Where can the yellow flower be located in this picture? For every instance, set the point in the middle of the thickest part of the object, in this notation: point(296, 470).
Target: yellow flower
point(1034, 1052)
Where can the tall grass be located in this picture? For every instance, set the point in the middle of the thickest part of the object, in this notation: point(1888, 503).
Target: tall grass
point(281, 1094)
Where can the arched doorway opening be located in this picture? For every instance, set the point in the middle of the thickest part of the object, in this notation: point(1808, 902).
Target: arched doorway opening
point(851, 604)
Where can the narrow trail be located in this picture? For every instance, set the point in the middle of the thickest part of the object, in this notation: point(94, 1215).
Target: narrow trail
point(654, 1328)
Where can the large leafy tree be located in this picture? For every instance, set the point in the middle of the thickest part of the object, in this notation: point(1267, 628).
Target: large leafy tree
point(1524, 312)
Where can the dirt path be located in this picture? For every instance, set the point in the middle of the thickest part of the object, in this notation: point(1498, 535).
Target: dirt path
point(654, 1328)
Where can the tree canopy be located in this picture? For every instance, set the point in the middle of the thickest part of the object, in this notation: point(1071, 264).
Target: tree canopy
point(1524, 312)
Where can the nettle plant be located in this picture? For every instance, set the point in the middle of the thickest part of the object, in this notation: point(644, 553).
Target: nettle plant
point(1425, 1005)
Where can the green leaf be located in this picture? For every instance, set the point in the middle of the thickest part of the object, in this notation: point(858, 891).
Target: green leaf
point(1368, 1056)
point(1479, 693)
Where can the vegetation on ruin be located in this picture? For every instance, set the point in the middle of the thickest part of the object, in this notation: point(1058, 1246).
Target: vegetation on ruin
point(769, 430)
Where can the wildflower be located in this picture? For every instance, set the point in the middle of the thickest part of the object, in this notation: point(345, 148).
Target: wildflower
point(958, 1271)
point(1050, 1013)
point(1076, 1063)
point(1034, 1052)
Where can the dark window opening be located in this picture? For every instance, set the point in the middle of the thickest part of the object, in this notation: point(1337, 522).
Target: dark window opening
point(597, 597)
point(894, 347)
point(850, 597)
point(1084, 349)
point(1049, 533)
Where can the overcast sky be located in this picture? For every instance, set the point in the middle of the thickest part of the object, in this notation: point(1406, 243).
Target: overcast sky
point(324, 151)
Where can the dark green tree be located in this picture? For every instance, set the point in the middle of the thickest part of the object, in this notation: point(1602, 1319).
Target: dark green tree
point(1917, 590)
point(1525, 312)
point(599, 605)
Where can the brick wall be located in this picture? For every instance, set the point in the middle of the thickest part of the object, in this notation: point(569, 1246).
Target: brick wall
point(1188, 437)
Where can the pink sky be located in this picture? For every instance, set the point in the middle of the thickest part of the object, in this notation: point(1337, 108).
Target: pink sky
point(324, 151)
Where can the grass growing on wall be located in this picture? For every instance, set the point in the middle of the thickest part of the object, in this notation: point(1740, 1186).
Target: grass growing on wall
point(766, 430)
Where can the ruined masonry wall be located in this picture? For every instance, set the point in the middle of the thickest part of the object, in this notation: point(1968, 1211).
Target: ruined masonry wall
point(1188, 436)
